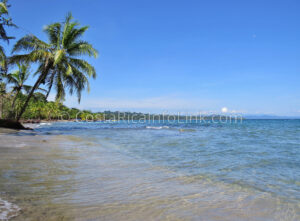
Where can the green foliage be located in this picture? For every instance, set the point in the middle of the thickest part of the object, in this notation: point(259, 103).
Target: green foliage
point(60, 66)
point(60, 59)
point(5, 21)
point(38, 108)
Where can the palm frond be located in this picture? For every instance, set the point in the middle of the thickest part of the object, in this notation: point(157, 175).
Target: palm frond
point(3, 59)
point(82, 48)
point(84, 66)
point(12, 78)
point(80, 80)
point(59, 86)
point(54, 31)
point(27, 88)
point(3, 8)
point(74, 34)
point(30, 43)
point(42, 90)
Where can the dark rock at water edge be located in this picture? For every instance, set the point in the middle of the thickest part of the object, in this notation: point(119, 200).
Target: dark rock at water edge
point(11, 124)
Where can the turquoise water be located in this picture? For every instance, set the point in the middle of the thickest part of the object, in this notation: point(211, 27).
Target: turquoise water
point(245, 170)
point(258, 154)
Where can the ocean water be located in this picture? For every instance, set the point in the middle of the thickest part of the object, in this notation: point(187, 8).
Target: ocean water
point(245, 170)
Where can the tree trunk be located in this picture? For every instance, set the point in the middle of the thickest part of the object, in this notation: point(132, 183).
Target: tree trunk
point(36, 85)
point(49, 89)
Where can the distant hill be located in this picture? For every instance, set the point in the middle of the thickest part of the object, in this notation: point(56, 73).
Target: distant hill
point(265, 116)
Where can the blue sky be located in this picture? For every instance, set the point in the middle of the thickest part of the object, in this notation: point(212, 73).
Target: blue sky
point(183, 55)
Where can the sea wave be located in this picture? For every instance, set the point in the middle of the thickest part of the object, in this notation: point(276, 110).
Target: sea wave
point(20, 145)
point(157, 128)
point(46, 124)
point(8, 210)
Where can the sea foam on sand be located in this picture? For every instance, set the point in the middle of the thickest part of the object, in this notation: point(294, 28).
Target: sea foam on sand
point(8, 210)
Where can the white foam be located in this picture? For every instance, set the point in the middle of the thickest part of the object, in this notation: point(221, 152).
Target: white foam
point(20, 145)
point(8, 210)
point(46, 124)
point(157, 128)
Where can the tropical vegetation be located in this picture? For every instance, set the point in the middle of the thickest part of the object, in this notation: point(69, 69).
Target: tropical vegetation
point(60, 67)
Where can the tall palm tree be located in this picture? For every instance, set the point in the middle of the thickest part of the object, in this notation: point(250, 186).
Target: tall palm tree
point(58, 62)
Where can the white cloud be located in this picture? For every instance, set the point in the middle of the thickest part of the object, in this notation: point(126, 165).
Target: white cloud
point(224, 110)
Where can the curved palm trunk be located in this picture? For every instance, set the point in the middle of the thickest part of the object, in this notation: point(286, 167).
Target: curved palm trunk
point(49, 89)
point(36, 85)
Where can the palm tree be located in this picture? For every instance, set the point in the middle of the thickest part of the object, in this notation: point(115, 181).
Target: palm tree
point(3, 11)
point(3, 36)
point(5, 21)
point(58, 62)
point(17, 79)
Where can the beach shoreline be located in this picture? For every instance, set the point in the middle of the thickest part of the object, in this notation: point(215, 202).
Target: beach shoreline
point(97, 177)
